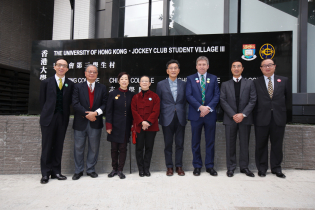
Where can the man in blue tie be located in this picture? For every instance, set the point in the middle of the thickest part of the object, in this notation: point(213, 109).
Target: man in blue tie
point(203, 95)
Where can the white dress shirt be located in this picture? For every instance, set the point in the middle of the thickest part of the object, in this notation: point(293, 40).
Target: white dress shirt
point(62, 79)
point(272, 81)
point(99, 111)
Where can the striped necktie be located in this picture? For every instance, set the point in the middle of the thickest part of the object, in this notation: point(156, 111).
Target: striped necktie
point(203, 90)
point(270, 88)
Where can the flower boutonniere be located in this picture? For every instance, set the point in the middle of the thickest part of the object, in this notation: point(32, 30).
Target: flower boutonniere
point(278, 80)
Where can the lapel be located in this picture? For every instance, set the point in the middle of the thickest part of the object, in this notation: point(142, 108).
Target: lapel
point(86, 92)
point(243, 84)
point(207, 84)
point(168, 88)
point(53, 84)
point(179, 86)
point(263, 86)
point(64, 87)
point(231, 88)
point(96, 91)
point(276, 85)
point(197, 84)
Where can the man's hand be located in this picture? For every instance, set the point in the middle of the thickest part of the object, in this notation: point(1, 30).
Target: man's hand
point(204, 110)
point(109, 131)
point(238, 117)
point(145, 125)
point(91, 116)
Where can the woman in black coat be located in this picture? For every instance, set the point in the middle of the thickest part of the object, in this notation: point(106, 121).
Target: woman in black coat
point(118, 123)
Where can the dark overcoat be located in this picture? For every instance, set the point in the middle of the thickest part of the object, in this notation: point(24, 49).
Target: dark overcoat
point(118, 115)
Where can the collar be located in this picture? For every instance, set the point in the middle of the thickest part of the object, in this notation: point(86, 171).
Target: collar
point(121, 90)
point(57, 79)
point(169, 80)
point(199, 75)
point(239, 79)
point(272, 77)
point(93, 84)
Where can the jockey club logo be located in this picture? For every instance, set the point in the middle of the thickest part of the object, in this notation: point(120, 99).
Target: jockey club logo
point(267, 51)
point(249, 52)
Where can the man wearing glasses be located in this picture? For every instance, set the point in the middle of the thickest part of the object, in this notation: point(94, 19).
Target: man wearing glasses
point(89, 102)
point(55, 100)
point(273, 96)
point(173, 116)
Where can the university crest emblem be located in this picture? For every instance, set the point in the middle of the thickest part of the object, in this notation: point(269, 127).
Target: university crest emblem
point(249, 52)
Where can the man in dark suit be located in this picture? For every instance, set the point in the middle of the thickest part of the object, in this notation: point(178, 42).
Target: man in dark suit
point(55, 100)
point(173, 116)
point(89, 102)
point(237, 99)
point(273, 96)
point(203, 95)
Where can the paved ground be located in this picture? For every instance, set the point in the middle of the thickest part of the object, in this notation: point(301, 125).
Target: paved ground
point(297, 191)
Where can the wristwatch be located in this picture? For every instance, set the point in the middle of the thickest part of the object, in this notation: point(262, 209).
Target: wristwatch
point(244, 115)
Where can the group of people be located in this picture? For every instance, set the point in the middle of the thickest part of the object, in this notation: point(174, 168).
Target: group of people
point(261, 102)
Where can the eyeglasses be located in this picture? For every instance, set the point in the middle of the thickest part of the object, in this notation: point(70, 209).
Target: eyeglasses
point(235, 67)
point(267, 66)
point(173, 69)
point(145, 81)
point(92, 72)
point(61, 65)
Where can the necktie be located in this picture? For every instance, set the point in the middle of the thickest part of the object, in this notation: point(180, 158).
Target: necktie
point(60, 84)
point(236, 80)
point(270, 88)
point(91, 88)
point(203, 90)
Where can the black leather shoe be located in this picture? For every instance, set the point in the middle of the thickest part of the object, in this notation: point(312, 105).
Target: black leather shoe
point(92, 174)
point(44, 180)
point(212, 172)
point(112, 174)
point(77, 176)
point(279, 174)
point(141, 173)
point(58, 176)
point(147, 173)
point(247, 172)
point(230, 173)
point(197, 171)
point(121, 175)
point(261, 174)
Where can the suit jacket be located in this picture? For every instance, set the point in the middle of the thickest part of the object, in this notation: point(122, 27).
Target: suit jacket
point(48, 96)
point(146, 108)
point(167, 104)
point(247, 101)
point(81, 104)
point(194, 96)
point(118, 115)
point(278, 103)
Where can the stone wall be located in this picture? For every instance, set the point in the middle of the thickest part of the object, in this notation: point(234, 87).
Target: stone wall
point(20, 148)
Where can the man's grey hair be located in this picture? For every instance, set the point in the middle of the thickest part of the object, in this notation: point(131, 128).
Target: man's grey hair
point(202, 58)
point(89, 66)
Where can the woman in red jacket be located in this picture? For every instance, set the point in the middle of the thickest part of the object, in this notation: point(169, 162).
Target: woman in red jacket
point(145, 107)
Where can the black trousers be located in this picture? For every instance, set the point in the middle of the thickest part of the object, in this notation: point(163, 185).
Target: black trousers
point(175, 128)
point(231, 134)
point(119, 154)
point(144, 149)
point(53, 137)
point(276, 134)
